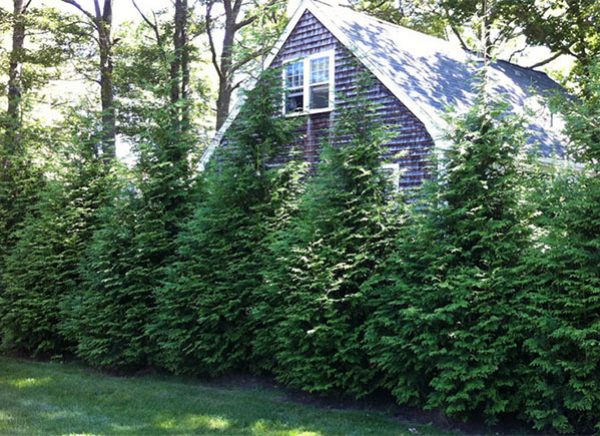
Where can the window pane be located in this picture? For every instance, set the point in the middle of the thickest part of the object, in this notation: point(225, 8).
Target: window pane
point(294, 102)
point(294, 75)
point(319, 96)
point(319, 70)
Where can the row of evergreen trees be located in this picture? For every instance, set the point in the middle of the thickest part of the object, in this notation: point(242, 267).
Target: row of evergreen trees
point(479, 297)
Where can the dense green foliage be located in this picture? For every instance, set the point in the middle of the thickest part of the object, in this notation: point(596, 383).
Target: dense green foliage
point(445, 328)
point(126, 261)
point(564, 287)
point(337, 240)
point(203, 324)
point(42, 266)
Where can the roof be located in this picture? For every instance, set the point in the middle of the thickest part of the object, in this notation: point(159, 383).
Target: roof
point(429, 75)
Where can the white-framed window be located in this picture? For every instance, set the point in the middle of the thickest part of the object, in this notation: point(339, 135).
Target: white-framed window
point(309, 84)
point(392, 171)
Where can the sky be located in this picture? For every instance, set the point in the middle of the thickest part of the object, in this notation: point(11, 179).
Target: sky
point(123, 10)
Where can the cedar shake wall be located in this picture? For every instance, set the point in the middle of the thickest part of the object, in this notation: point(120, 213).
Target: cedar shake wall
point(412, 144)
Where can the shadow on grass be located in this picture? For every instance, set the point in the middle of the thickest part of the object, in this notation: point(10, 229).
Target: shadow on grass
point(43, 398)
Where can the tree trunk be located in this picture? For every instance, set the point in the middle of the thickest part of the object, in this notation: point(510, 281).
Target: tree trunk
point(13, 113)
point(185, 69)
point(224, 62)
point(176, 62)
point(180, 66)
point(102, 19)
point(109, 130)
point(226, 76)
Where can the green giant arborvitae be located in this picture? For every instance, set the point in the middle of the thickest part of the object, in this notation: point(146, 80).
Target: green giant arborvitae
point(563, 389)
point(204, 324)
point(126, 262)
point(337, 240)
point(444, 331)
point(42, 267)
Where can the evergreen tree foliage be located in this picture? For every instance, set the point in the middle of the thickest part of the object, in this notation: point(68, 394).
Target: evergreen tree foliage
point(563, 389)
point(107, 317)
point(203, 324)
point(479, 297)
point(445, 329)
point(265, 309)
point(126, 260)
point(19, 183)
point(42, 267)
point(338, 238)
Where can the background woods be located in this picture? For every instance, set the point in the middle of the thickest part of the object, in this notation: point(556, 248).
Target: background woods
point(477, 295)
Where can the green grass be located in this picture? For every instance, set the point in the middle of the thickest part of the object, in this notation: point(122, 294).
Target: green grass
point(52, 398)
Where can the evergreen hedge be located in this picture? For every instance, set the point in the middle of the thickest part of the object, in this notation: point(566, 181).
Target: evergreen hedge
point(478, 296)
point(563, 384)
point(42, 267)
point(445, 328)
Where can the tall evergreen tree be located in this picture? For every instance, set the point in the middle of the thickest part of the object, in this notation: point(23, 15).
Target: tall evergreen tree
point(203, 324)
point(339, 237)
point(444, 330)
point(39, 37)
point(563, 389)
point(127, 259)
point(42, 268)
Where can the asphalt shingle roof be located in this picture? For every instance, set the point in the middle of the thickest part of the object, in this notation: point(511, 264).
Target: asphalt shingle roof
point(435, 74)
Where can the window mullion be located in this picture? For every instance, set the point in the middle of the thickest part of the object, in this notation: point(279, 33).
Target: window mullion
point(331, 79)
point(306, 84)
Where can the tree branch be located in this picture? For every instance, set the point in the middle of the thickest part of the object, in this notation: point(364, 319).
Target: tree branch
point(211, 42)
point(153, 26)
point(463, 44)
point(78, 6)
point(245, 22)
point(253, 18)
point(26, 6)
point(235, 67)
point(545, 61)
point(516, 52)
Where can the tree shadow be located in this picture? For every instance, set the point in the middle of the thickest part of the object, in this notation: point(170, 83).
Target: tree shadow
point(38, 398)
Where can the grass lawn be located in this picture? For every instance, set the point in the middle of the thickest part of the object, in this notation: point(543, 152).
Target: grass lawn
point(51, 398)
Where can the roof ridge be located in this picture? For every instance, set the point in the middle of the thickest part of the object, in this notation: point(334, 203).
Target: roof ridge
point(454, 46)
point(386, 23)
point(529, 70)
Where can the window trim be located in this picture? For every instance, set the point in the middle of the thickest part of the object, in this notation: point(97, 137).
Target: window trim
point(330, 54)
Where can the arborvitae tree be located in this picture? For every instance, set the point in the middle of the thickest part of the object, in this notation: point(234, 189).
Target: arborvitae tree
point(340, 236)
point(20, 181)
point(42, 268)
point(127, 260)
point(203, 324)
point(398, 298)
point(38, 38)
point(105, 318)
point(563, 389)
point(267, 301)
point(444, 329)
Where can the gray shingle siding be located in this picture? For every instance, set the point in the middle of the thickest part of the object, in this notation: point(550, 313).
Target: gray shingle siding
point(412, 140)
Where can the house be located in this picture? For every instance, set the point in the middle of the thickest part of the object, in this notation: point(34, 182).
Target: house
point(417, 78)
